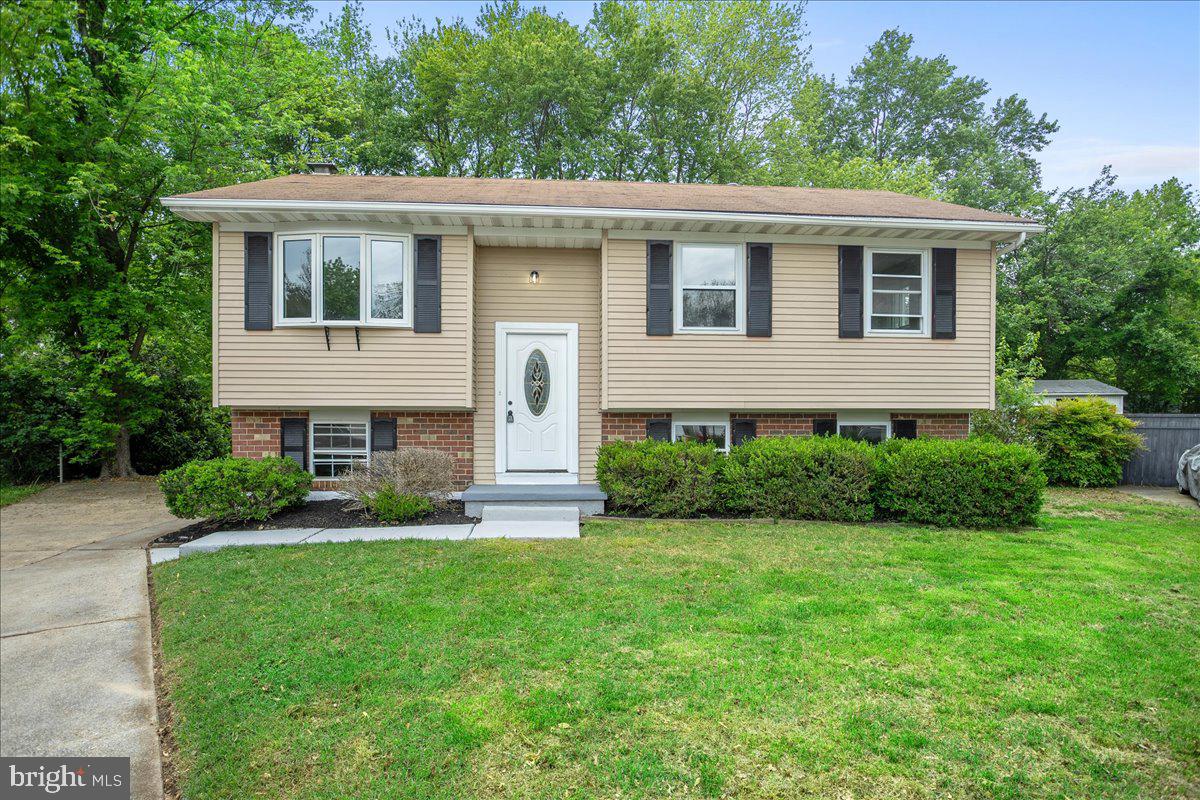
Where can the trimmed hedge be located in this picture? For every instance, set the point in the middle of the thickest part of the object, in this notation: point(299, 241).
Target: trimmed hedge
point(660, 479)
point(234, 488)
point(973, 483)
point(822, 477)
point(967, 483)
point(1084, 442)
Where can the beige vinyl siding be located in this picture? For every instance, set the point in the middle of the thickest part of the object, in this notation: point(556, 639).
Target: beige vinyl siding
point(290, 367)
point(568, 291)
point(803, 365)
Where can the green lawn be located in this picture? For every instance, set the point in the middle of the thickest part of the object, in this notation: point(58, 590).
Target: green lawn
point(10, 494)
point(699, 660)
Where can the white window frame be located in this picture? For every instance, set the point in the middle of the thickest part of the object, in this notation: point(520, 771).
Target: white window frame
point(739, 286)
point(866, 418)
point(316, 239)
point(682, 418)
point(869, 279)
point(332, 417)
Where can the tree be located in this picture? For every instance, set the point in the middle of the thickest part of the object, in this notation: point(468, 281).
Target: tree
point(1112, 289)
point(105, 107)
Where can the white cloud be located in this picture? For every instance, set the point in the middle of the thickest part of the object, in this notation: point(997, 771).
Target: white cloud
point(1077, 162)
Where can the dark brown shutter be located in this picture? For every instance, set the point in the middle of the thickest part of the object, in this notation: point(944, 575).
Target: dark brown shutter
point(945, 289)
point(383, 433)
point(660, 318)
point(293, 440)
point(744, 430)
point(850, 292)
point(824, 427)
point(659, 429)
point(427, 294)
point(257, 281)
point(758, 294)
point(904, 429)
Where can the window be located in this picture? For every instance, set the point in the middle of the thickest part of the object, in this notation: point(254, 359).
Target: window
point(344, 279)
point(897, 286)
point(709, 281)
point(337, 446)
point(873, 428)
point(706, 429)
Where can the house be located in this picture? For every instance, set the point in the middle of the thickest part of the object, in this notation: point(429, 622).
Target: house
point(520, 324)
point(1053, 391)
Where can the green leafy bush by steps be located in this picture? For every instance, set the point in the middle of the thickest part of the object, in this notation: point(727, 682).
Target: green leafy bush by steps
point(1084, 442)
point(391, 506)
point(827, 478)
point(234, 488)
point(972, 483)
point(660, 479)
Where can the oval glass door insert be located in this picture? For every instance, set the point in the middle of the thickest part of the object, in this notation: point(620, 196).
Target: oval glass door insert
point(537, 382)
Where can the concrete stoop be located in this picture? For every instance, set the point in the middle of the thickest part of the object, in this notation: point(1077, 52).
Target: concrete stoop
point(528, 522)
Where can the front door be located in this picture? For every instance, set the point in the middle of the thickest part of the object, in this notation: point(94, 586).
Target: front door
point(535, 402)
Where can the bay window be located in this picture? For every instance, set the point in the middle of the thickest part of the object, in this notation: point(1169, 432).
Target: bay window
point(343, 279)
point(709, 286)
point(897, 292)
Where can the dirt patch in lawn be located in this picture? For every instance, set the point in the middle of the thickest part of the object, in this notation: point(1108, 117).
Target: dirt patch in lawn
point(317, 514)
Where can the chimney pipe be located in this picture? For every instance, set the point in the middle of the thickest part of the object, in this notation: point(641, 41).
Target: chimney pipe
point(322, 167)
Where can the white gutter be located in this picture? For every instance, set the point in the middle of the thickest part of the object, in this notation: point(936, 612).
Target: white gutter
point(217, 206)
point(1013, 247)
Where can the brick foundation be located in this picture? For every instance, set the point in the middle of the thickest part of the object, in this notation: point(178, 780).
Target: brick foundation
point(256, 435)
point(631, 426)
point(940, 426)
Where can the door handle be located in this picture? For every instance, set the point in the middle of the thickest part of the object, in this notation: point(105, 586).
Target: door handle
point(510, 417)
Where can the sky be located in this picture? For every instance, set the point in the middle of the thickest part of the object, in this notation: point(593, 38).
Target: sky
point(1122, 79)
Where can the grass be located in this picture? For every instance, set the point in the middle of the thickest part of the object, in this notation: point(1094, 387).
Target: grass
point(703, 659)
point(10, 494)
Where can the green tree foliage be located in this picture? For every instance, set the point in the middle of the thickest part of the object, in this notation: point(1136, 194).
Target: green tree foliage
point(104, 108)
point(1112, 289)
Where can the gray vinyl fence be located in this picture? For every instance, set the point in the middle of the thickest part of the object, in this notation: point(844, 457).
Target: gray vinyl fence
point(1167, 437)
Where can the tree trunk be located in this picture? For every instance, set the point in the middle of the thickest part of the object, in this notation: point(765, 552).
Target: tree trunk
point(120, 463)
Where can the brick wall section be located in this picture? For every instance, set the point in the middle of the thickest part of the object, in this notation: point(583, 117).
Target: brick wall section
point(631, 426)
point(450, 431)
point(256, 434)
point(941, 426)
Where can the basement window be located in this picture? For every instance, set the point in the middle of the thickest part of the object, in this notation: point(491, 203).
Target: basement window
point(706, 429)
point(873, 428)
point(337, 447)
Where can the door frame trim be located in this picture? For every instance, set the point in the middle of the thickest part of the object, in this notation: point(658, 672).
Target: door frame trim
point(571, 329)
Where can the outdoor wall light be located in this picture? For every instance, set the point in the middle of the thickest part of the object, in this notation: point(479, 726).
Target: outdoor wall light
point(534, 277)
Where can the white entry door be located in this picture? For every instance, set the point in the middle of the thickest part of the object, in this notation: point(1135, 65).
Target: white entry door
point(537, 373)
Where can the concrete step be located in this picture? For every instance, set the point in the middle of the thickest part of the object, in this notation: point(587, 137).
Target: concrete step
point(587, 497)
point(559, 512)
point(526, 529)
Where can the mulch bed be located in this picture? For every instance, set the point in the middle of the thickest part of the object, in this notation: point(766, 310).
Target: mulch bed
point(317, 514)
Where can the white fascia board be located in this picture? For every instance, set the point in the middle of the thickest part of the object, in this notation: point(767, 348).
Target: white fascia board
point(213, 205)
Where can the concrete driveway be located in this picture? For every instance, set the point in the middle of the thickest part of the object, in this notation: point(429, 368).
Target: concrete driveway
point(76, 671)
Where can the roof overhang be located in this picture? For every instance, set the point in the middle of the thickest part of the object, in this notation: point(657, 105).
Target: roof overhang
point(581, 219)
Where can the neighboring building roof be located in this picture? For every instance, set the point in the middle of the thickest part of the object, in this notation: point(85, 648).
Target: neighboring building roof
point(1072, 388)
point(718, 198)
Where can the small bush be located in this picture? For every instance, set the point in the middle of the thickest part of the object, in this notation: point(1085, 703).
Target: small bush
point(234, 488)
point(973, 483)
point(807, 477)
point(659, 479)
point(391, 506)
point(1084, 442)
point(405, 471)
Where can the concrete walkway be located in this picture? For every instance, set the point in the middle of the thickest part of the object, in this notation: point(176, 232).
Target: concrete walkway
point(75, 654)
point(1163, 494)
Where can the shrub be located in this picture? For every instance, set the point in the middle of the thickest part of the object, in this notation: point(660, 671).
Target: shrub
point(659, 479)
point(405, 471)
point(807, 477)
point(391, 506)
point(1084, 442)
point(234, 488)
point(972, 483)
